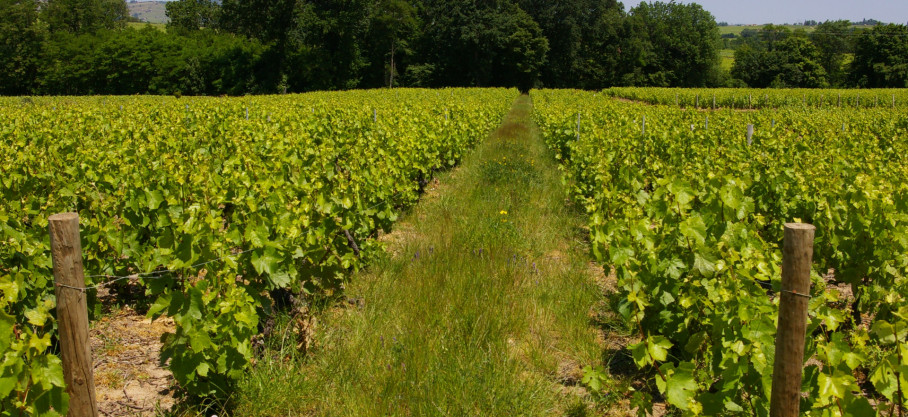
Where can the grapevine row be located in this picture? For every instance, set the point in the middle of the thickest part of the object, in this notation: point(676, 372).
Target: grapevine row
point(743, 98)
point(280, 189)
point(690, 216)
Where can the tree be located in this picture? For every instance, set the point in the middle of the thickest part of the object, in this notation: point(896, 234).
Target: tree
point(793, 62)
point(480, 43)
point(85, 16)
point(771, 34)
point(670, 44)
point(583, 38)
point(265, 20)
point(881, 57)
point(832, 39)
point(800, 67)
point(393, 24)
point(21, 38)
point(191, 15)
point(755, 65)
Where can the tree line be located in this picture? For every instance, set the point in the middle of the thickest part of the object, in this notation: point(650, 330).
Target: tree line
point(275, 46)
point(834, 54)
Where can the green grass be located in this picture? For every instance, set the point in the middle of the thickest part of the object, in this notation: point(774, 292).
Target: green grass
point(141, 25)
point(479, 307)
point(727, 59)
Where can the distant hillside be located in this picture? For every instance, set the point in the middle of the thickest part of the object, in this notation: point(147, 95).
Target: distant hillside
point(148, 11)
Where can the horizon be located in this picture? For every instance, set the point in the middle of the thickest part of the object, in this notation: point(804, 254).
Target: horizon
point(778, 12)
point(739, 13)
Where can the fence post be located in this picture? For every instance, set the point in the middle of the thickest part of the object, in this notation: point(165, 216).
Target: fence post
point(797, 256)
point(72, 314)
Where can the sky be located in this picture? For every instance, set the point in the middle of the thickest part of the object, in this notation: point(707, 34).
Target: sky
point(797, 11)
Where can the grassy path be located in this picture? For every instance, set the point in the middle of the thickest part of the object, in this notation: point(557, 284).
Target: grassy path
point(480, 307)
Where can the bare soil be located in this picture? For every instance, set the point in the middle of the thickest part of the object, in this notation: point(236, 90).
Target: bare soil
point(126, 350)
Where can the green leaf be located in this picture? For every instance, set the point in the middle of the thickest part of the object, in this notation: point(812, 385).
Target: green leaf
point(705, 263)
point(694, 229)
point(620, 255)
point(658, 347)
point(161, 303)
point(266, 262)
point(36, 316)
point(47, 371)
point(836, 385)
point(154, 199)
point(680, 387)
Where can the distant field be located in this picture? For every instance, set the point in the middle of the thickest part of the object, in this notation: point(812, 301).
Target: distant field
point(140, 25)
point(148, 11)
point(727, 57)
point(737, 29)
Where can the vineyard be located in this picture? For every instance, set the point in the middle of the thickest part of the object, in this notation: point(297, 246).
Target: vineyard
point(217, 208)
point(714, 98)
point(688, 207)
point(209, 204)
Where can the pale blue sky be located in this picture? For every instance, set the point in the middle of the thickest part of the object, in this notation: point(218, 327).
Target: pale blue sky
point(792, 11)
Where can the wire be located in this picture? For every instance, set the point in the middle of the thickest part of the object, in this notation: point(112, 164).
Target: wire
point(147, 275)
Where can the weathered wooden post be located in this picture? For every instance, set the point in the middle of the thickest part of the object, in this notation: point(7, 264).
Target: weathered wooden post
point(72, 314)
point(750, 134)
point(797, 256)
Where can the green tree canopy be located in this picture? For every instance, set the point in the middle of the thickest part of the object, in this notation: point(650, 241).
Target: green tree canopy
point(85, 16)
point(670, 44)
point(21, 37)
point(881, 57)
point(833, 40)
point(192, 14)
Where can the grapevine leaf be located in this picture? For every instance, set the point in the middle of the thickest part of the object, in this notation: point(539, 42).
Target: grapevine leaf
point(679, 387)
point(36, 316)
point(705, 263)
point(658, 347)
point(620, 255)
point(265, 262)
point(694, 229)
point(835, 385)
point(47, 371)
point(154, 199)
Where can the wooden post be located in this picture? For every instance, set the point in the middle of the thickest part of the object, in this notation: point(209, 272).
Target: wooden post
point(714, 101)
point(750, 134)
point(643, 128)
point(797, 256)
point(72, 314)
